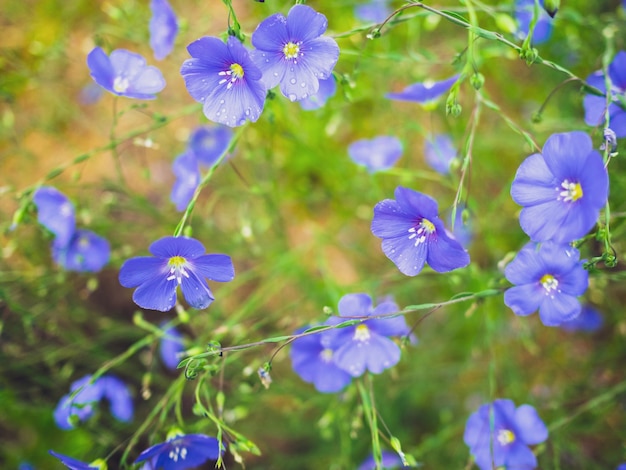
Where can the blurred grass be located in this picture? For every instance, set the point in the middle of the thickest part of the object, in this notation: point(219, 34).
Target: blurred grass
point(294, 213)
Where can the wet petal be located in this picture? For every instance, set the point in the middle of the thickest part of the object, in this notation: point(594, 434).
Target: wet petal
point(156, 294)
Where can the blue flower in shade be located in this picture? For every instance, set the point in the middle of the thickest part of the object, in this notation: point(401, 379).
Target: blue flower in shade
point(561, 189)
point(413, 234)
point(171, 347)
point(187, 173)
point(548, 278)
point(588, 321)
point(293, 53)
point(461, 229)
point(379, 153)
point(90, 93)
point(209, 143)
point(622, 466)
point(85, 252)
point(498, 435)
point(365, 346)
point(524, 10)
point(440, 152)
point(81, 405)
point(375, 11)
point(125, 73)
point(390, 460)
point(71, 463)
point(328, 88)
point(56, 213)
point(182, 452)
point(225, 80)
point(313, 360)
point(25, 466)
point(163, 28)
point(426, 93)
point(595, 106)
point(179, 261)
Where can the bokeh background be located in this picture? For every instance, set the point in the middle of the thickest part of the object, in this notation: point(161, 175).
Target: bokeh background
point(293, 212)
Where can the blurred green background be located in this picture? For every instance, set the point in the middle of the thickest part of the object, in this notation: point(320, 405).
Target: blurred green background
point(293, 211)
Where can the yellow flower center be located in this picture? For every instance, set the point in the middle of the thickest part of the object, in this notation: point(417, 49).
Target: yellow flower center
point(425, 227)
point(549, 283)
point(326, 355)
point(291, 50)
point(237, 70)
point(83, 242)
point(361, 333)
point(177, 266)
point(569, 191)
point(120, 84)
point(505, 437)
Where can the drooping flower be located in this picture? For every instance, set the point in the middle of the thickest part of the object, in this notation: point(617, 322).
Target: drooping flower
point(225, 80)
point(548, 278)
point(313, 360)
point(187, 173)
point(413, 234)
point(390, 460)
point(292, 52)
point(561, 189)
point(426, 93)
point(125, 73)
point(366, 346)
point(375, 11)
point(379, 153)
point(74, 464)
point(85, 252)
point(498, 435)
point(440, 152)
point(171, 347)
point(595, 106)
point(81, 405)
point(524, 11)
point(588, 321)
point(181, 452)
point(56, 213)
point(328, 88)
point(163, 28)
point(209, 143)
point(178, 261)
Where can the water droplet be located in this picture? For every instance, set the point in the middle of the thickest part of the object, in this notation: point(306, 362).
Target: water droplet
point(305, 95)
point(322, 76)
point(292, 97)
point(292, 81)
point(303, 84)
point(291, 69)
point(276, 74)
point(248, 112)
point(267, 61)
point(221, 101)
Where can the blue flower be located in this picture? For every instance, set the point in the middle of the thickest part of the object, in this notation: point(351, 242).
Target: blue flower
point(390, 460)
point(209, 143)
point(413, 234)
point(225, 80)
point(365, 346)
point(171, 347)
point(73, 464)
point(81, 406)
point(425, 93)
point(180, 261)
point(374, 11)
point(622, 466)
point(292, 51)
point(163, 28)
point(379, 153)
point(440, 152)
point(328, 88)
point(56, 213)
point(548, 278)
point(498, 435)
point(561, 189)
point(185, 168)
point(85, 252)
point(524, 10)
point(125, 73)
point(588, 321)
point(595, 106)
point(461, 229)
point(182, 452)
point(313, 360)
point(90, 93)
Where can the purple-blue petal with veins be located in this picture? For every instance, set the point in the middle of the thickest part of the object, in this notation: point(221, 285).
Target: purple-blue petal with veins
point(534, 183)
point(444, 253)
point(524, 299)
point(530, 427)
point(214, 267)
point(196, 291)
point(305, 24)
point(355, 305)
point(559, 308)
point(168, 247)
point(136, 271)
point(408, 257)
point(390, 221)
point(565, 154)
point(163, 28)
point(415, 203)
point(101, 69)
point(156, 294)
point(56, 213)
point(617, 71)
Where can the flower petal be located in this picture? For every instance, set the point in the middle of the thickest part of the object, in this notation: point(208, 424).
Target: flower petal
point(391, 221)
point(137, 271)
point(214, 267)
point(566, 153)
point(445, 254)
point(525, 299)
point(156, 294)
point(168, 247)
point(529, 425)
point(305, 24)
point(534, 183)
point(196, 291)
point(100, 68)
point(559, 308)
